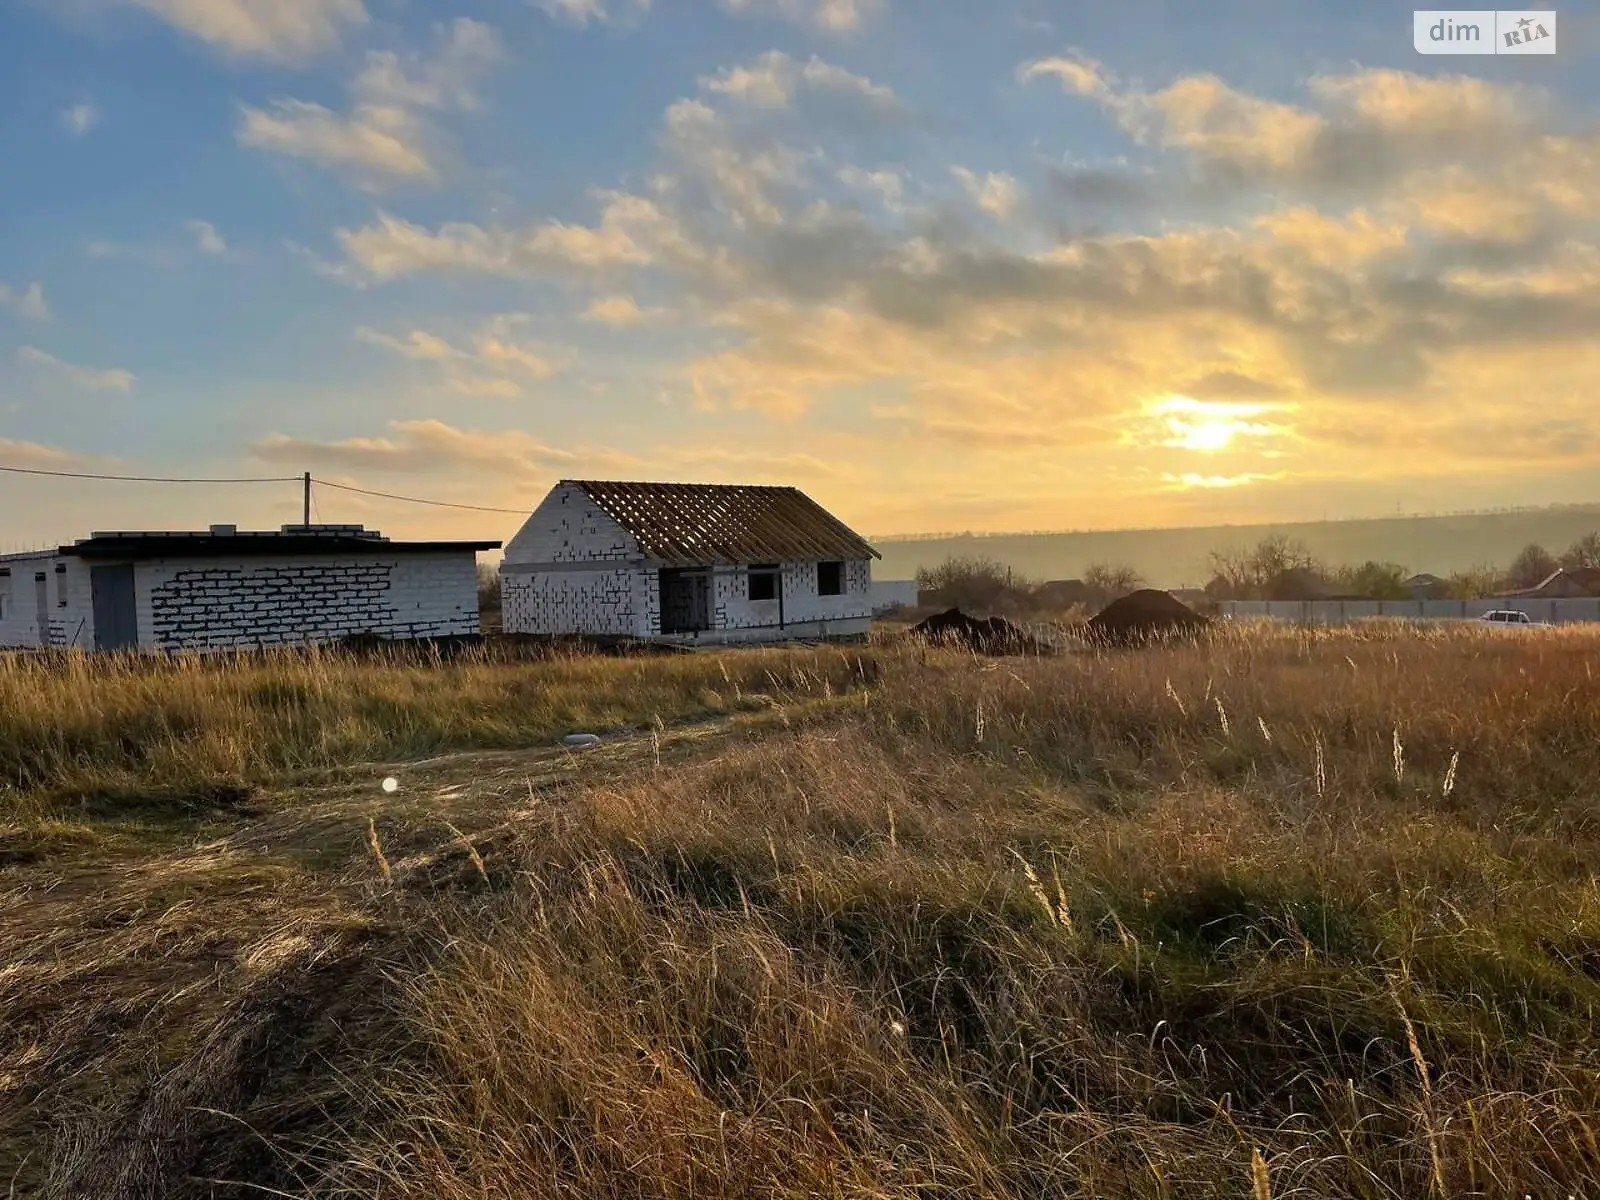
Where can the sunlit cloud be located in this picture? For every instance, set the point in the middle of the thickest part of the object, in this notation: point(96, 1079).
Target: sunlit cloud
point(1190, 479)
point(1211, 426)
point(93, 379)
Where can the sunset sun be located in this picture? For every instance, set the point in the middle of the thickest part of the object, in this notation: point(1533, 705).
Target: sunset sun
point(1209, 426)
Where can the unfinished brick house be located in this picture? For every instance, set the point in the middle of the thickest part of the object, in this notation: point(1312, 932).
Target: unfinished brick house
point(686, 562)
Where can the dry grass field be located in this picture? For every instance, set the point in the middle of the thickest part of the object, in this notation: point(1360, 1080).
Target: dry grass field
point(1287, 914)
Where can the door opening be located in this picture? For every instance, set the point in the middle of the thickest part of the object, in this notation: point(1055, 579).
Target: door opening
point(685, 600)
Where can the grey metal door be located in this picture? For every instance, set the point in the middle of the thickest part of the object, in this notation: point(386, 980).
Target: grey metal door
point(116, 625)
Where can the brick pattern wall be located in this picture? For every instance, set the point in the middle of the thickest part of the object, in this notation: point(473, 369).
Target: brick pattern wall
point(735, 609)
point(569, 527)
point(72, 624)
point(604, 603)
point(647, 583)
point(216, 604)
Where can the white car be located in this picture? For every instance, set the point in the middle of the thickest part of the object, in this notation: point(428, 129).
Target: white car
point(1509, 616)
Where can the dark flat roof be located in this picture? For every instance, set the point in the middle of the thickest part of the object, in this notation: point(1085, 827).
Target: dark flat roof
point(253, 545)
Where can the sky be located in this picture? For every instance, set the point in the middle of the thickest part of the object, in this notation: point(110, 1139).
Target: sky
point(1017, 265)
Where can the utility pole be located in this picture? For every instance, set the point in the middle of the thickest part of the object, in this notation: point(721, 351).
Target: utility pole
point(306, 517)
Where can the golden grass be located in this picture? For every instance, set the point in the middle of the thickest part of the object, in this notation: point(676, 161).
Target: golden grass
point(1288, 914)
point(79, 725)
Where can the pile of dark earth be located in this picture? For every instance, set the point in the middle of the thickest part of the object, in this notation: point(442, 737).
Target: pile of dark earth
point(982, 635)
point(1142, 617)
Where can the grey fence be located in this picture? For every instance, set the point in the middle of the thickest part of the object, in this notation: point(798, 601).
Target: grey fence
point(1342, 612)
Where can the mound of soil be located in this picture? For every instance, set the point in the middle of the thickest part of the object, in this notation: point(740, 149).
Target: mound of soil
point(991, 635)
point(1147, 615)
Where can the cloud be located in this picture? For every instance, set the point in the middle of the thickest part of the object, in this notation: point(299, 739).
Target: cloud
point(90, 378)
point(1325, 256)
point(200, 237)
point(722, 163)
point(888, 186)
point(29, 302)
point(775, 79)
point(578, 13)
point(1366, 128)
point(383, 138)
point(33, 454)
point(620, 312)
point(1076, 73)
point(279, 30)
point(438, 448)
point(443, 80)
point(1192, 479)
point(630, 229)
point(997, 193)
point(827, 16)
point(1228, 385)
point(429, 446)
point(206, 238)
point(418, 344)
point(573, 12)
point(80, 118)
point(496, 365)
point(378, 142)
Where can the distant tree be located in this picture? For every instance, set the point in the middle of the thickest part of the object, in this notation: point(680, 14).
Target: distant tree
point(1110, 581)
point(1373, 580)
point(1585, 552)
point(1258, 572)
point(488, 587)
point(1532, 566)
point(972, 582)
point(1474, 582)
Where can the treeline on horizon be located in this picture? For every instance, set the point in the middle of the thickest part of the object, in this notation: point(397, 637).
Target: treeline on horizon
point(1275, 568)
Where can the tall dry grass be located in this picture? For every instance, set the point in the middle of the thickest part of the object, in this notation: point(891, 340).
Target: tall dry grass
point(1287, 914)
point(1293, 915)
point(81, 725)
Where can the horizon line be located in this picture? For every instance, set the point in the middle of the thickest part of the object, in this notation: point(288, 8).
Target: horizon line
point(1406, 516)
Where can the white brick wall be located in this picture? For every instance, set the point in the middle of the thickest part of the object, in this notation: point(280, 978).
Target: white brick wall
point(68, 624)
point(201, 603)
point(569, 527)
point(801, 604)
point(594, 602)
point(607, 589)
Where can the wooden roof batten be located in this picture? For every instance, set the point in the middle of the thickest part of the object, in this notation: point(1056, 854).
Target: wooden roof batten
point(691, 524)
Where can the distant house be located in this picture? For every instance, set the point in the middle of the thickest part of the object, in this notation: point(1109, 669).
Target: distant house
point(1426, 587)
point(225, 588)
point(1561, 584)
point(1064, 593)
point(685, 563)
point(1589, 577)
point(1302, 583)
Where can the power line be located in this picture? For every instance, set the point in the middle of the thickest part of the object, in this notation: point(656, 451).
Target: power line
point(145, 478)
point(344, 487)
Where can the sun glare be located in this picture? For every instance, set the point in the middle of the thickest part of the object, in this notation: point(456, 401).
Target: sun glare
point(1209, 426)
